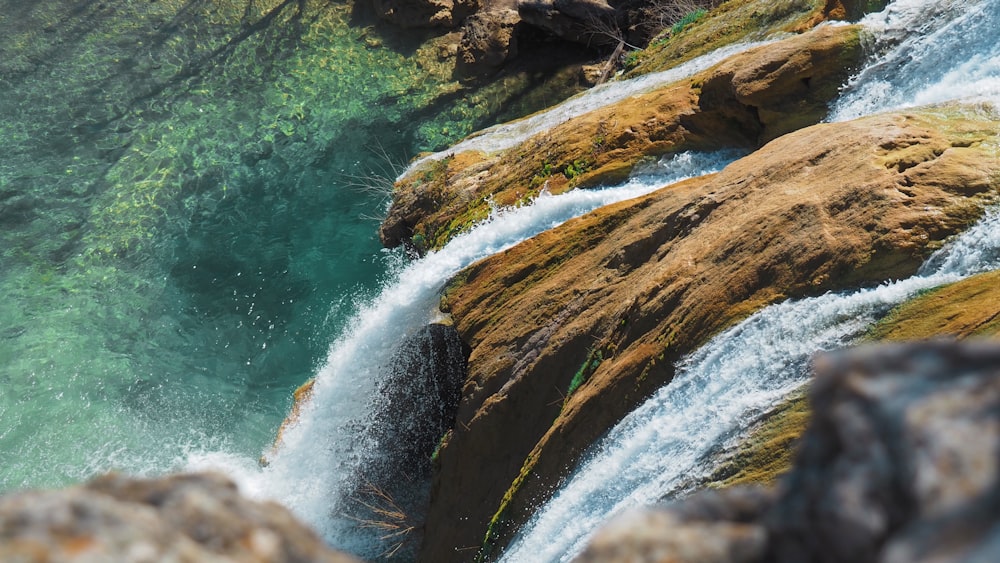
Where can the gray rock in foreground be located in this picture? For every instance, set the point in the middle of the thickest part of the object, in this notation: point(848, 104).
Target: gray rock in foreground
point(900, 463)
point(183, 518)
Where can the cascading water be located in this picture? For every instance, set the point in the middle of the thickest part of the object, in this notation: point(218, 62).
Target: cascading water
point(927, 53)
point(312, 469)
point(311, 472)
point(657, 448)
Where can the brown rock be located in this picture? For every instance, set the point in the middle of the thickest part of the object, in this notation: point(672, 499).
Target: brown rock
point(186, 518)
point(646, 281)
point(745, 101)
point(970, 307)
point(488, 40)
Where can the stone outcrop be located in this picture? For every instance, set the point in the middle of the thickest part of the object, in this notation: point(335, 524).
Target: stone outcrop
point(580, 21)
point(743, 102)
point(640, 283)
point(967, 308)
point(488, 40)
point(184, 518)
point(900, 463)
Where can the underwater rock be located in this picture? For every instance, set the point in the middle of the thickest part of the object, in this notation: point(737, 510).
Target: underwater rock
point(184, 518)
point(900, 463)
point(639, 284)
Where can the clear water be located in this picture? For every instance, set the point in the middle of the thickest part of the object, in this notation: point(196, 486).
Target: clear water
point(181, 230)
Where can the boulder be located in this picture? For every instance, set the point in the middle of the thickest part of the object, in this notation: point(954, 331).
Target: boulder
point(582, 21)
point(900, 463)
point(185, 518)
point(970, 307)
point(641, 283)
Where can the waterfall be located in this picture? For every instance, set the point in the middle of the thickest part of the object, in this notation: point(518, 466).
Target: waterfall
point(643, 457)
point(311, 471)
point(657, 448)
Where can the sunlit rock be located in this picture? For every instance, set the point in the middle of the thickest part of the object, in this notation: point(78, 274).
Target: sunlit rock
point(743, 102)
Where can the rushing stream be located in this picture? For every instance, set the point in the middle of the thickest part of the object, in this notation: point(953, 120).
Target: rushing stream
point(310, 472)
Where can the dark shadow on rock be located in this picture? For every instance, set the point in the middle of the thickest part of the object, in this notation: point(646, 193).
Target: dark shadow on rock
point(414, 408)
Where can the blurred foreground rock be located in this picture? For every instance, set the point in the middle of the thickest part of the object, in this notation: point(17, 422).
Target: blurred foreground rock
point(183, 518)
point(900, 463)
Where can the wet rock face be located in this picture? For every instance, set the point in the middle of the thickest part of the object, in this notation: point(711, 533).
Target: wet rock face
point(418, 400)
point(900, 463)
point(415, 407)
point(184, 518)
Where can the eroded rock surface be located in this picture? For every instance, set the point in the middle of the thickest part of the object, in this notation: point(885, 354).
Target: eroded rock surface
point(184, 518)
point(488, 40)
point(743, 102)
point(900, 463)
point(639, 284)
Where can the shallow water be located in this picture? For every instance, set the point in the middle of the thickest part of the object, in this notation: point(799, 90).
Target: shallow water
point(187, 216)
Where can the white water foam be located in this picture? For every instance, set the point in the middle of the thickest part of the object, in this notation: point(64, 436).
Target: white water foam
point(927, 53)
point(311, 470)
point(738, 375)
point(507, 135)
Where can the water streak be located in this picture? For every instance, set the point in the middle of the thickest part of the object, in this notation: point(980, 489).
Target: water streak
point(927, 53)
